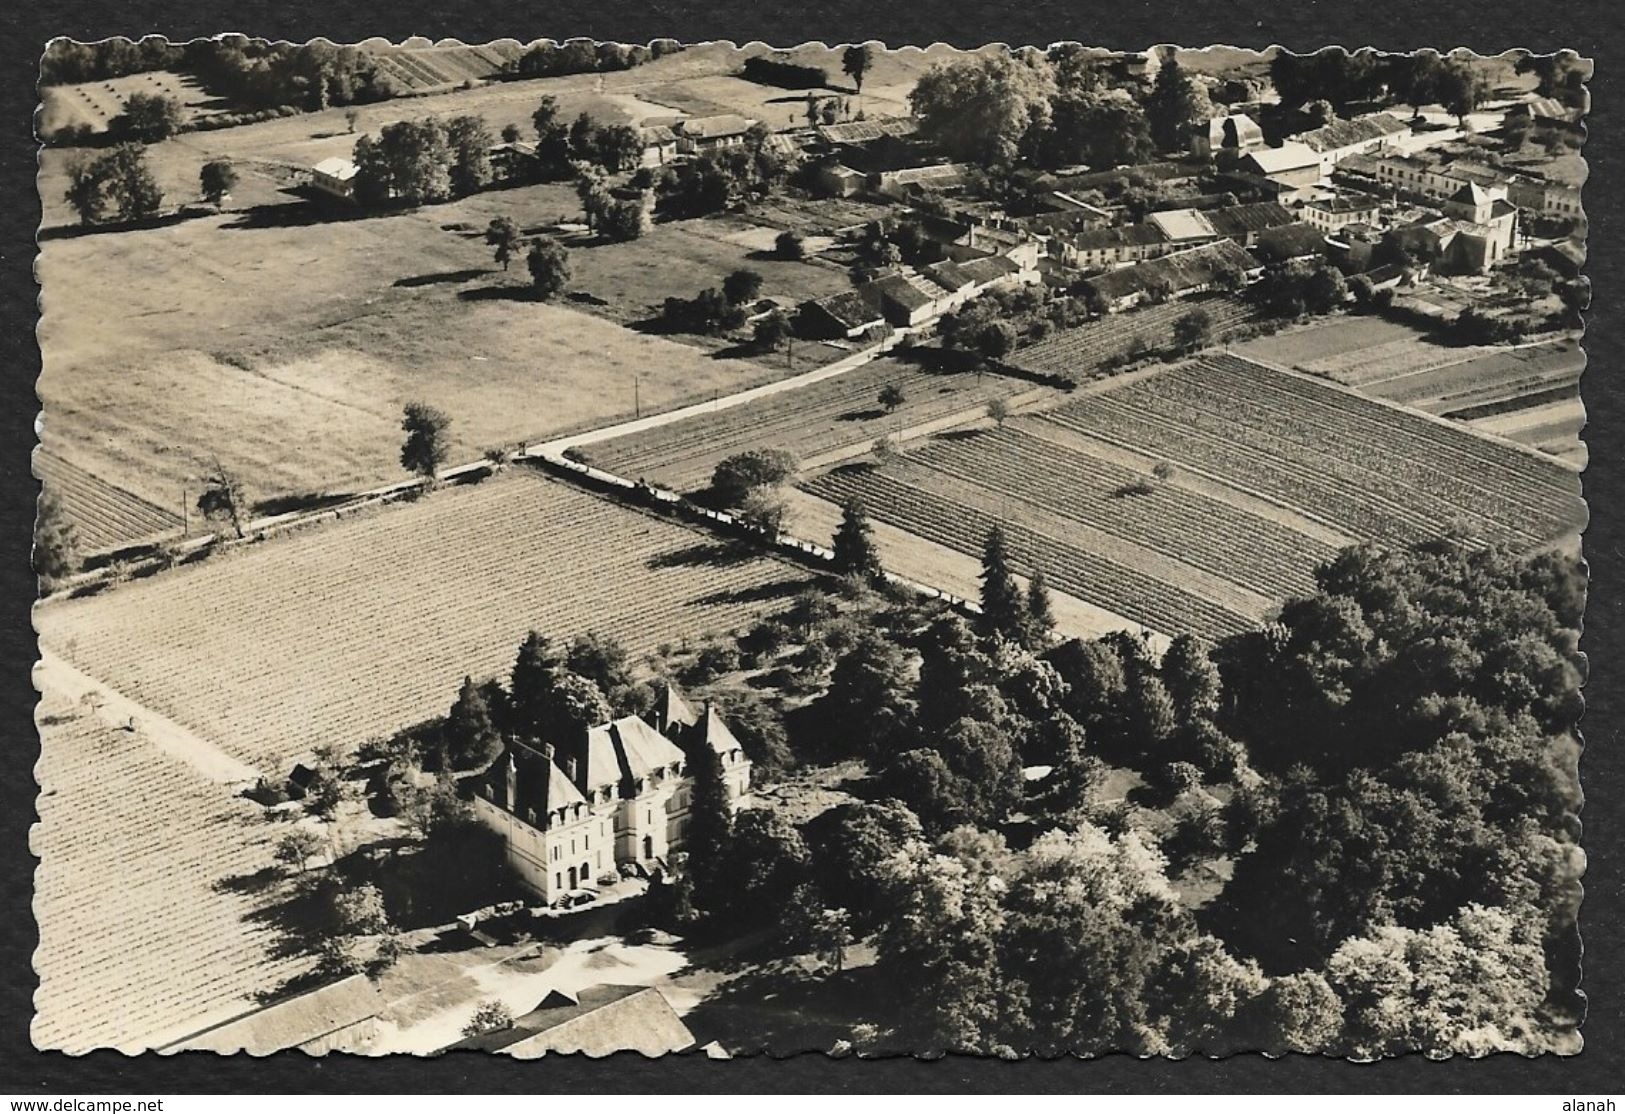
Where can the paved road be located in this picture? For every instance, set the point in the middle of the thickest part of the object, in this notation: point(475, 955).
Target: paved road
point(845, 364)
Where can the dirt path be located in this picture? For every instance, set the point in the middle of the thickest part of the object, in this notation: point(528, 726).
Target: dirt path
point(118, 710)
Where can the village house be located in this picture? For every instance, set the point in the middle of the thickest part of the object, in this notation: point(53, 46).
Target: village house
point(335, 177)
point(1547, 112)
point(1191, 271)
point(1246, 223)
point(699, 135)
point(839, 180)
point(1334, 211)
point(1234, 133)
point(917, 181)
point(1543, 197)
point(597, 1021)
point(907, 300)
point(847, 315)
point(1297, 240)
point(1099, 248)
point(660, 145)
point(874, 144)
point(513, 162)
point(574, 810)
point(1430, 175)
point(1182, 227)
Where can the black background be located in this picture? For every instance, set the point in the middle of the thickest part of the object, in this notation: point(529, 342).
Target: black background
point(1488, 26)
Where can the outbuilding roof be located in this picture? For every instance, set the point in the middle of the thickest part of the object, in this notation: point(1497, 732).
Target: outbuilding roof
point(598, 1021)
point(867, 131)
point(715, 127)
point(851, 309)
point(1346, 133)
point(1288, 156)
point(1182, 271)
point(896, 288)
point(295, 1021)
point(342, 169)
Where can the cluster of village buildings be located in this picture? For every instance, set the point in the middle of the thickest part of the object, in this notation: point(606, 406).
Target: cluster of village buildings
point(1367, 193)
point(1358, 192)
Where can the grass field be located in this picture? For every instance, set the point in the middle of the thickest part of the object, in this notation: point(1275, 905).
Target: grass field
point(94, 104)
point(289, 350)
point(143, 917)
point(354, 630)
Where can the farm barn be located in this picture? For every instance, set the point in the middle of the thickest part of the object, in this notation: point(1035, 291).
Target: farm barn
point(702, 134)
point(341, 1016)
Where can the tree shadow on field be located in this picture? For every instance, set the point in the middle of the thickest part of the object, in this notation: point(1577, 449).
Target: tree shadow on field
point(442, 278)
point(716, 555)
point(303, 501)
point(784, 1009)
point(756, 593)
point(299, 214)
point(499, 294)
point(868, 415)
point(254, 882)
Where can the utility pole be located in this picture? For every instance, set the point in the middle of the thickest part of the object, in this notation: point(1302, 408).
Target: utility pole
point(186, 523)
point(637, 402)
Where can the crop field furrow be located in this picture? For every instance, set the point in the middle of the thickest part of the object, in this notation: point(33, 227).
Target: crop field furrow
point(1344, 506)
point(813, 420)
point(967, 490)
point(1125, 591)
point(1405, 478)
point(1400, 478)
point(103, 516)
point(1244, 549)
point(142, 924)
point(1499, 471)
point(1074, 352)
point(366, 626)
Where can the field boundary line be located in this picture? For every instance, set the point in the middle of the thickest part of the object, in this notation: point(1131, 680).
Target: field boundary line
point(1020, 404)
point(1189, 478)
point(127, 714)
point(557, 445)
point(609, 485)
point(1390, 404)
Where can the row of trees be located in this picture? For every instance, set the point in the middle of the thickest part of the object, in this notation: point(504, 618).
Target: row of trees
point(549, 59)
point(1054, 109)
point(1342, 79)
point(412, 162)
